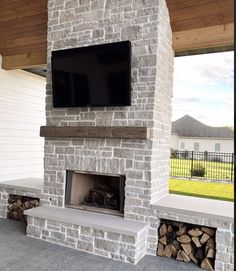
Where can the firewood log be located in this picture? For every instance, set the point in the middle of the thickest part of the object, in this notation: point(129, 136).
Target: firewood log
point(167, 252)
point(209, 231)
point(207, 264)
point(179, 256)
point(163, 230)
point(211, 253)
point(18, 203)
point(184, 239)
point(185, 257)
point(204, 238)
point(15, 215)
point(160, 249)
point(173, 250)
point(176, 244)
point(195, 232)
point(192, 257)
point(26, 204)
point(187, 248)
point(196, 241)
point(182, 229)
point(163, 240)
point(211, 243)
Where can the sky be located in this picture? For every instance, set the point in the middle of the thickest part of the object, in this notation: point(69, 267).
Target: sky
point(204, 88)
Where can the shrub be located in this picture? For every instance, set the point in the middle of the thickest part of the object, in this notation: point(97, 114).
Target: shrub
point(198, 171)
point(173, 153)
point(185, 154)
point(216, 159)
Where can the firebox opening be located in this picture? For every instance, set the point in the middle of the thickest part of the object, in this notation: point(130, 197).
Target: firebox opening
point(95, 192)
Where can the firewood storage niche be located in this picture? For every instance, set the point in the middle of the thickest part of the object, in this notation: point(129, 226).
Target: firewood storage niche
point(96, 192)
point(187, 243)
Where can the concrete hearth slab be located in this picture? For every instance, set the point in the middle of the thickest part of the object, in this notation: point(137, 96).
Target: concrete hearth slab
point(21, 253)
point(206, 208)
point(34, 185)
point(89, 219)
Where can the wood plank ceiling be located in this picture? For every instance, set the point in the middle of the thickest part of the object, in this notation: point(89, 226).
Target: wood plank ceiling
point(195, 24)
point(23, 33)
point(200, 24)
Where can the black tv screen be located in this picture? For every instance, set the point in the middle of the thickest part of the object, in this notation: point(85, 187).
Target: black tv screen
point(97, 75)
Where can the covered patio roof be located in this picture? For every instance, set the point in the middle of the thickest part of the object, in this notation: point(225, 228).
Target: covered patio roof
point(198, 27)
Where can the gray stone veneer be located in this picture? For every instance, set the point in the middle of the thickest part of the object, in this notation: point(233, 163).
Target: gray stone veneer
point(103, 243)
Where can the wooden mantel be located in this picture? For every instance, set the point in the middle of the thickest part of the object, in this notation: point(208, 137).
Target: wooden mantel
point(95, 132)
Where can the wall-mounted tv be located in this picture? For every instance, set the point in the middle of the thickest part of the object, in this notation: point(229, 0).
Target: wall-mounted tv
point(97, 75)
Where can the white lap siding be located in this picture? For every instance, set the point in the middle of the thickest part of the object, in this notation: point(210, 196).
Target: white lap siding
point(22, 112)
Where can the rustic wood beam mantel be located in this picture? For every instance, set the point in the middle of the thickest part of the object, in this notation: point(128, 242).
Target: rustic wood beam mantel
point(95, 132)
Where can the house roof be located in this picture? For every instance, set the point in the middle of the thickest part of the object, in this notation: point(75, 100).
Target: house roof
point(190, 127)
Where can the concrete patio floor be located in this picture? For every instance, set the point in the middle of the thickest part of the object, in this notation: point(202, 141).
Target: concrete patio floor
point(21, 253)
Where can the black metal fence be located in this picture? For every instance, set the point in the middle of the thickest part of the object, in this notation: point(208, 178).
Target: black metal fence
point(203, 165)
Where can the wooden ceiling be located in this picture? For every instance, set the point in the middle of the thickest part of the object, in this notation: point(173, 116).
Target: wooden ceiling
point(196, 24)
point(200, 24)
point(23, 33)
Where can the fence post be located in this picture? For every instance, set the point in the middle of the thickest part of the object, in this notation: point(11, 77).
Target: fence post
point(191, 170)
point(232, 167)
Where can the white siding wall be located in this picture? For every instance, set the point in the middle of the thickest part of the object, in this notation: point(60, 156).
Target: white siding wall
point(205, 144)
point(22, 112)
point(174, 142)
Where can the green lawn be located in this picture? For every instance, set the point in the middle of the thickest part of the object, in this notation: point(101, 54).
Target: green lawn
point(214, 170)
point(220, 191)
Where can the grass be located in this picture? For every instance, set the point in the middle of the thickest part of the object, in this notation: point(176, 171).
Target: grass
point(220, 191)
point(214, 170)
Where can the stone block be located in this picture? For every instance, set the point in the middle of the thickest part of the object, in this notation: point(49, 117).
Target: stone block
point(39, 222)
point(106, 245)
point(72, 233)
point(85, 230)
point(85, 246)
point(113, 236)
point(58, 235)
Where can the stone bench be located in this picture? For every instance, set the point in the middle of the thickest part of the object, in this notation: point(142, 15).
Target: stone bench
point(29, 187)
point(205, 212)
point(100, 234)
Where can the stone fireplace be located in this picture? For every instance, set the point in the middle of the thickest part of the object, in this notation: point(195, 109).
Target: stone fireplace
point(95, 192)
point(144, 161)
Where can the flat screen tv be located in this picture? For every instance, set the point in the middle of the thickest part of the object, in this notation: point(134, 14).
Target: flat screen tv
point(97, 75)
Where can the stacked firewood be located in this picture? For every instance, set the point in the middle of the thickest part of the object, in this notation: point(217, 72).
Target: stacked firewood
point(18, 204)
point(187, 243)
point(102, 196)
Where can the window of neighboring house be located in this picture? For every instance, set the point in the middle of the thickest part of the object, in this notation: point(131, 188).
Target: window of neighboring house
point(182, 145)
point(196, 146)
point(217, 146)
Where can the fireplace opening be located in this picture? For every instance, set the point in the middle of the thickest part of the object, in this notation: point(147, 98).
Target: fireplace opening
point(95, 192)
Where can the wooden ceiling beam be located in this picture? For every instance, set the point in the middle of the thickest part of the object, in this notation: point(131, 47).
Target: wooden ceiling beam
point(22, 61)
point(206, 37)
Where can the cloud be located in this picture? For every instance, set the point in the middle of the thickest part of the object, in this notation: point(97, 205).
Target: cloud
point(203, 88)
point(207, 69)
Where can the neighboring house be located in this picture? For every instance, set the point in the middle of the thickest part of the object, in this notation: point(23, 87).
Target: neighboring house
point(22, 112)
point(192, 135)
